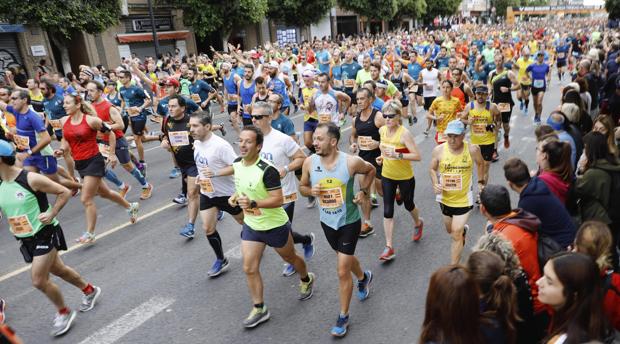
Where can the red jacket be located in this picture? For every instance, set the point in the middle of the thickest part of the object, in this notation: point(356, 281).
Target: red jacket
point(612, 300)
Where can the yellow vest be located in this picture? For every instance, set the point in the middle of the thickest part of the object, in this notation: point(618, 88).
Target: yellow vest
point(394, 168)
point(479, 119)
point(455, 175)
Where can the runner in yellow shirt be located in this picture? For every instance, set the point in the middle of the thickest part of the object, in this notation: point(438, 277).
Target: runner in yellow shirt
point(444, 109)
point(523, 94)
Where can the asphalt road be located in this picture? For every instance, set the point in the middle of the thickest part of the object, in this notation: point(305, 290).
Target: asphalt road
point(156, 290)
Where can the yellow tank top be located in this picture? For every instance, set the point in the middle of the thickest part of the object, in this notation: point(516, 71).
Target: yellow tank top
point(455, 175)
point(479, 119)
point(394, 168)
point(308, 93)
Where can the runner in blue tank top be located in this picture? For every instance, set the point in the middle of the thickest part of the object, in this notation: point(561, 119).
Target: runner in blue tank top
point(247, 88)
point(231, 94)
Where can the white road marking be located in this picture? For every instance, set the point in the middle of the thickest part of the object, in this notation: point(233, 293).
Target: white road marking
point(234, 252)
point(129, 321)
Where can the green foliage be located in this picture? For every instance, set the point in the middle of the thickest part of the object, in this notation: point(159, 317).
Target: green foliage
point(412, 8)
point(613, 8)
point(63, 17)
point(442, 8)
point(206, 16)
point(295, 12)
point(372, 9)
point(501, 5)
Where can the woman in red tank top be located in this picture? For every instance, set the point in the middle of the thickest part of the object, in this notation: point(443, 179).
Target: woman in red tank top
point(80, 136)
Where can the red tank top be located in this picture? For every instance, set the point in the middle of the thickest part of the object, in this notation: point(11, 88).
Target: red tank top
point(103, 112)
point(81, 138)
point(457, 92)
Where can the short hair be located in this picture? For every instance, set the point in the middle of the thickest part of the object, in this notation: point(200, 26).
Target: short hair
point(496, 200)
point(180, 99)
point(259, 133)
point(323, 74)
point(371, 83)
point(49, 84)
point(449, 82)
point(126, 73)
point(332, 130)
point(280, 98)
point(249, 66)
point(23, 94)
point(365, 90)
point(376, 65)
point(100, 86)
point(543, 131)
point(204, 117)
point(516, 172)
point(264, 107)
point(9, 160)
point(259, 80)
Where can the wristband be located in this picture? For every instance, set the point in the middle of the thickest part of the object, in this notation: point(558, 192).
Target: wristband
point(286, 169)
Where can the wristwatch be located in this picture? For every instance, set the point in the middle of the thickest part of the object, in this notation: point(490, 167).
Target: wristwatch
point(400, 155)
point(253, 204)
point(29, 152)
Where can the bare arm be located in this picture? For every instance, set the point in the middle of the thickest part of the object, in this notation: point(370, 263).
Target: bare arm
point(434, 168)
point(304, 183)
point(409, 142)
point(43, 184)
point(474, 150)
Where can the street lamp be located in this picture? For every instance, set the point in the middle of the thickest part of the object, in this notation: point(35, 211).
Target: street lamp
point(153, 29)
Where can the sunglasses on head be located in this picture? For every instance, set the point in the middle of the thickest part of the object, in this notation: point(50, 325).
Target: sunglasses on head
point(391, 115)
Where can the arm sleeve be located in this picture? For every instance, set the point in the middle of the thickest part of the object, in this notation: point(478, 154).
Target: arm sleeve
point(271, 179)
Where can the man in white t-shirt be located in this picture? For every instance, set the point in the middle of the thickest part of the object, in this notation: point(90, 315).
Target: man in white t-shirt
point(214, 157)
point(286, 155)
point(429, 78)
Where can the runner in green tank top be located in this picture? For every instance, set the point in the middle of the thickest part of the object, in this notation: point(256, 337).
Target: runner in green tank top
point(23, 200)
point(259, 194)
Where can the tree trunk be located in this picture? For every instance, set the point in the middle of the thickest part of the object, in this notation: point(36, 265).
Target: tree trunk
point(225, 37)
point(61, 44)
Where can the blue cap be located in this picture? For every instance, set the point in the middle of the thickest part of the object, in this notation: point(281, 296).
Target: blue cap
point(6, 148)
point(555, 124)
point(455, 127)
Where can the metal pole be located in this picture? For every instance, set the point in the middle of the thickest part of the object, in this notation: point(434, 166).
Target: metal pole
point(153, 28)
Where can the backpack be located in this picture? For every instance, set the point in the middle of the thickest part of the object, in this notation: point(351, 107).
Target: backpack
point(547, 248)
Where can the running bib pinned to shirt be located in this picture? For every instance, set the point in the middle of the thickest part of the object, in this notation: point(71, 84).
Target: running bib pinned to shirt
point(196, 98)
point(22, 142)
point(55, 123)
point(178, 138)
point(349, 83)
point(325, 118)
point(503, 107)
point(452, 182)
point(479, 128)
point(538, 83)
point(252, 212)
point(206, 186)
point(365, 143)
point(290, 198)
point(414, 89)
point(20, 225)
point(331, 198)
point(104, 150)
point(428, 87)
point(561, 55)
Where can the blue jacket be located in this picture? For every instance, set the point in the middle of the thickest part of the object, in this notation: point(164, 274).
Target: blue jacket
point(554, 218)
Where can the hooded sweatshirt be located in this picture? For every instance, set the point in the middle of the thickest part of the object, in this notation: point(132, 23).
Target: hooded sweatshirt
point(555, 220)
point(593, 190)
point(520, 228)
point(556, 184)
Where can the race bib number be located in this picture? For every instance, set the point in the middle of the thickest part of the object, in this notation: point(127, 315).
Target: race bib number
point(55, 123)
point(365, 143)
point(414, 89)
point(479, 128)
point(178, 138)
point(290, 198)
point(388, 152)
point(575, 53)
point(428, 87)
point(196, 98)
point(252, 212)
point(539, 83)
point(561, 55)
point(337, 83)
point(349, 83)
point(133, 112)
point(206, 186)
point(22, 142)
point(331, 198)
point(325, 118)
point(503, 107)
point(104, 150)
point(452, 182)
point(20, 225)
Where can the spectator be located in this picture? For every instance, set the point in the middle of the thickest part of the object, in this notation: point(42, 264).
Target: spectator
point(557, 121)
point(604, 125)
point(553, 159)
point(536, 198)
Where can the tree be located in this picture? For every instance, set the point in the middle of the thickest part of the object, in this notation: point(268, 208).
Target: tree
point(206, 16)
point(412, 8)
point(372, 9)
point(63, 19)
point(613, 8)
point(295, 12)
point(442, 8)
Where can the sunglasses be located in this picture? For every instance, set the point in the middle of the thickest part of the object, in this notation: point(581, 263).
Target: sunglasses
point(390, 116)
point(15, 98)
point(259, 117)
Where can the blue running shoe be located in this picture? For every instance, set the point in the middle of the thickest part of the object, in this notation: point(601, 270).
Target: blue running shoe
point(289, 270)
point(220, 215)
point(188, 231)
point(363, 287)
point(309, 248)
point(521, 105)
point(219, 265)
point(175, 173)
point(342, 324)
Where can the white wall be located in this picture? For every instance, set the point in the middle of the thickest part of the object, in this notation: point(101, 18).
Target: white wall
point(322, 28)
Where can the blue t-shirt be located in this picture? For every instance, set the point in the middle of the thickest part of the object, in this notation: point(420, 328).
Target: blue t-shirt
point(434, 51)
point(283, 124)
point(278, 86)
point(29, 125)
point(377, 104)
point(442, 62)
point(134, 96)
point(69, 90)
point(349, 70)
point(190, 106)
point(539, 73)
point(201, 88)
point(53, 107)
point(562, 49)
point(337, 72)
point(414, 69)
point(322, 58)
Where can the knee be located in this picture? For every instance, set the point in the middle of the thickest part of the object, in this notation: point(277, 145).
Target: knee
point(409, 205)
point(344, 271)
point(457, 234)
point(250, 268)
point(39, 282)
point(208, 229)
point(388, 210)
point(87, 201)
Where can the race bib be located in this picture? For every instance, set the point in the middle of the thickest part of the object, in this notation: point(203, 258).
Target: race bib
point(452, 182)
point(252, 212)
point(133, 112)
point(20, 225)
point(331, 198)
point(325, 118)
point(503, 107)
point(388, 152)
point(196, 98)
point(575, 53)
point(428, 87)
point(414, 88)
point(206, 186)
point(539, 83)
point(178, 138)
point(22, 142)
point(337, 83)
point(55, 123)
point(349, 83)
point(290, 198)
point(365, 143)
point(561, 55)
point(479, 128)
point(104, 150)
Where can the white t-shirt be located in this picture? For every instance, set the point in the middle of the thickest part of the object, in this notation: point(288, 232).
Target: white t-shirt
point(431, 79)
point(279, 148)
point(215, 153)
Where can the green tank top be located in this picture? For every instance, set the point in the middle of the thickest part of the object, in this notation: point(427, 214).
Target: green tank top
point(22, 206)
point(256, 181)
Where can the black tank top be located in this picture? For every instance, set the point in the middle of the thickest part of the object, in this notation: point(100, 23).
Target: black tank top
point(501, 81)
point(368, 128)
point(398, 82)
point(259, 99)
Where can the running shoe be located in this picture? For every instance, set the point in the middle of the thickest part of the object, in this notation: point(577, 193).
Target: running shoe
point(222, 129)
point(410, 120)
point(495, 157)
point(388, 254)
point(309, 248)
point(521, 105)
point(2, 307)
point(417, 231)
point(180, 199)
point(88, 301)
point(363, 287)
point(342, 324)
point(415, 119)
point(142, 168)
point(426, 132)
point(147, 192)
point(62, 323)
point(124, 190)
point(373, 201)
point(187, 231)
point(311, 202)
point(506, 142)
point(367, 230)
point(86, 238)
point(75, 192)
point(305, 288)
point(257, 316)
point(133, 211)
point(174, 173)
point(219, 265)
point(132, 144)
point(289, 270)
point(220, 215)
point(465, 229)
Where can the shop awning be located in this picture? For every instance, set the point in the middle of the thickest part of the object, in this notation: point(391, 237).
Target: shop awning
point(148, 37)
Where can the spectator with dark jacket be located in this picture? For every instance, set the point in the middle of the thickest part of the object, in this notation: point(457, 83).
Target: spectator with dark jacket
point(536, 198)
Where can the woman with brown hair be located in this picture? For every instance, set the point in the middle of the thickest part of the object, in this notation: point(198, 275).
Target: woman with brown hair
point(452, 308)
point(553, 158)
point(605, 125)
point(80, 135)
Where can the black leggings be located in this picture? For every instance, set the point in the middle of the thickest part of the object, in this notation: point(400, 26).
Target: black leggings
point(407, 188)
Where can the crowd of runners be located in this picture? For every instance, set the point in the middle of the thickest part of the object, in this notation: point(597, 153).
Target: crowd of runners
point(543, 273)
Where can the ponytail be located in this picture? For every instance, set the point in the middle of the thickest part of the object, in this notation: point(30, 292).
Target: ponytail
point(559, 157)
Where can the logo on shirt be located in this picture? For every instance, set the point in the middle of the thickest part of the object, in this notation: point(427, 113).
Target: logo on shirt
point(318, 169)
point(20, 195)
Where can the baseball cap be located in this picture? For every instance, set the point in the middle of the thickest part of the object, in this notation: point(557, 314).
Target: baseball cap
point(255, 55)
point(6, 148)
point(171, 82)
point(455, 127)
point(481, 89)
point(556, 125)
point(382, 84)
point(273, 64)
point(308, 73)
